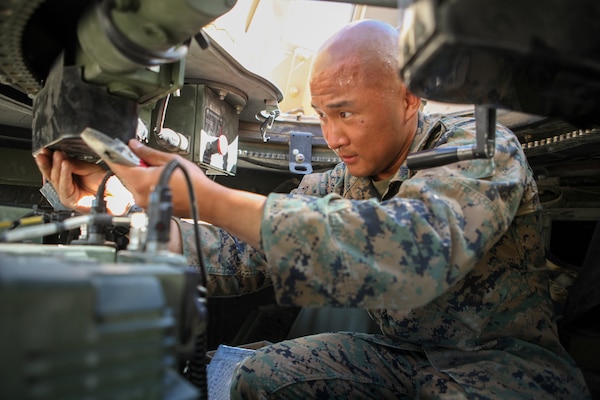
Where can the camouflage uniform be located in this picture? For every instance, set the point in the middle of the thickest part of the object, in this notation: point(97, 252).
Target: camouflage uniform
point(449, 262)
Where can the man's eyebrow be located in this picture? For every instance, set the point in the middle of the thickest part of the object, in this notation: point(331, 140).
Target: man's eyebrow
point(339, 104)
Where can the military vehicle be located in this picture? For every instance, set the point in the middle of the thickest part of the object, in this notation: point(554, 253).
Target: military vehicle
point(224, 84)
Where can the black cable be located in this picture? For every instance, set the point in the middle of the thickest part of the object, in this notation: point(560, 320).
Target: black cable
point(51, 228)
point(33, 215)
point(195, 370)
point(196, 367)
point(163, 181)
point(100, 206)
point(96, 231)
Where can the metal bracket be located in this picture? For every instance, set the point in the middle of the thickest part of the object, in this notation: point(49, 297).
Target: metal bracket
point(48, 191)
point(301, 152)
point(485, 131)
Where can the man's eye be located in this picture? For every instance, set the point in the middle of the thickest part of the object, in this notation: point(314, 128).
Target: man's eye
point(345, 114)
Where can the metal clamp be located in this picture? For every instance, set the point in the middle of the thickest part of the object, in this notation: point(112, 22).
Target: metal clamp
point(301, 152)
point(485, 131)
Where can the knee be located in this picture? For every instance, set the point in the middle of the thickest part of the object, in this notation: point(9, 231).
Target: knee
point(247, 381)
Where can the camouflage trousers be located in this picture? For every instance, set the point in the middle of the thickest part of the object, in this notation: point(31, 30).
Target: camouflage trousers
point(339, 366)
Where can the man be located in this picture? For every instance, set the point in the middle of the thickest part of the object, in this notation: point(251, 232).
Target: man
point(448, 260)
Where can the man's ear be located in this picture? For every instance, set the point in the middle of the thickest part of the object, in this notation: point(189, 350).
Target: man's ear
point(412, 103)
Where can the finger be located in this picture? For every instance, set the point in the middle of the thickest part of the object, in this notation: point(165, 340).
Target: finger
point(152, 158)
point(55, 171)
point(66, 188)
point(123, 170)
point(84, 168)
point(43, 161)
point(148, 154)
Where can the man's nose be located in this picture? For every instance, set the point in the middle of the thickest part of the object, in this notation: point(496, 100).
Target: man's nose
point(334, 135)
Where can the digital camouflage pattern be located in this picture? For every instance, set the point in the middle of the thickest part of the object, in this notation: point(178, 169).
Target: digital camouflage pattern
point(449, 262)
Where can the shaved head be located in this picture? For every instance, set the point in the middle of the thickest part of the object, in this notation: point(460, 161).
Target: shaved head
point(370, 44)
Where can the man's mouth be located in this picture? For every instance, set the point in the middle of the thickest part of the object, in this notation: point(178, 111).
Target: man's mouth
point(348, 159)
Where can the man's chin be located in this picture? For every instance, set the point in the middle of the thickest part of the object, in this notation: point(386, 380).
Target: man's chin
point(358, 172)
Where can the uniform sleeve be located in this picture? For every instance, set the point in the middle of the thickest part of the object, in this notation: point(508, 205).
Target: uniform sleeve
point(232, 266)
point(401, 253)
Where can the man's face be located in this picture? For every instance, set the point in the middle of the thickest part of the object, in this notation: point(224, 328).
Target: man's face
point(362, 121)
